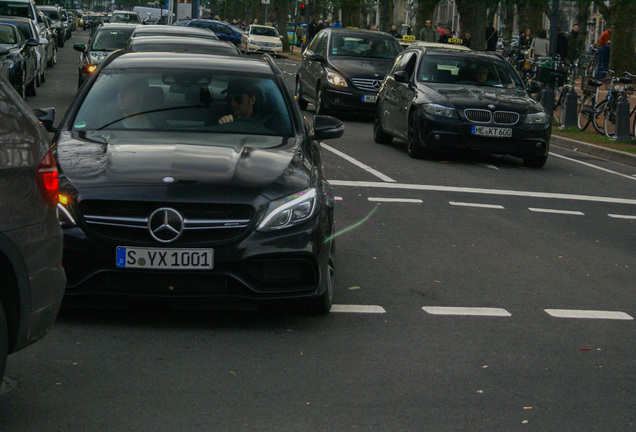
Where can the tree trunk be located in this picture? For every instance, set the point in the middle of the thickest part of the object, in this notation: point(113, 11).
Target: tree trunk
point(623, 40)
point(531, 15)
point(386, 15)
point(425, 11)
point(279, 10)
point(509, 19)
point(473, 20)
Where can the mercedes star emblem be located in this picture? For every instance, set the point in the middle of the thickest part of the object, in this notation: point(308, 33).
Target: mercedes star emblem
point(376, 84)
point(165, 225)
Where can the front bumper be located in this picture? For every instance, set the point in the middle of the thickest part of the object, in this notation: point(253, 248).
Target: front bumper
point(343, 98)
point(285, 264)
point(253, 48)
point(438, 133)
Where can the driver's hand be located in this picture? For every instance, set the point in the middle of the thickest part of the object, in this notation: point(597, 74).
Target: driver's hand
point(226, 119)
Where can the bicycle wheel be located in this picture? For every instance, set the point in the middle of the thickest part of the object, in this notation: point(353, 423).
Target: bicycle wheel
point(609, 122)
point(585, 112)
point(597, 117)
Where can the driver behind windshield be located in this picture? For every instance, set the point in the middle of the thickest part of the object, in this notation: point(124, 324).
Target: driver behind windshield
point(243, 99)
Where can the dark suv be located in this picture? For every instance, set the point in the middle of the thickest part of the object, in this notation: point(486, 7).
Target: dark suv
point(31, 275)
point(344, 69)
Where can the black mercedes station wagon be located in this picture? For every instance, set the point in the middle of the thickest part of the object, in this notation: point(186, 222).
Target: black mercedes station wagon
point(441, 100)
point(343, 69)
point(195, 177)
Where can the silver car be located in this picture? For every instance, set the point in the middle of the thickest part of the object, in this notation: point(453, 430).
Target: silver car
point(32, 279)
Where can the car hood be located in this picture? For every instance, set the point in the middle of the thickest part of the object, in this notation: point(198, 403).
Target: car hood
point(467, 96)
point(103, 163)
point(361, 67)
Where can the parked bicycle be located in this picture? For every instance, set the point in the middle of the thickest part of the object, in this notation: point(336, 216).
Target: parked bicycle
point(608, 105)
point(586, 109)
point(610, 117)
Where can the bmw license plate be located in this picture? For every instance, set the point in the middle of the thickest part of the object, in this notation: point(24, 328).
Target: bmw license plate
point(369, 98)
point(493, 132)
point(167, 259)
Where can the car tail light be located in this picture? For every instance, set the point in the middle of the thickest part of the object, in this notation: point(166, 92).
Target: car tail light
point(46, 178)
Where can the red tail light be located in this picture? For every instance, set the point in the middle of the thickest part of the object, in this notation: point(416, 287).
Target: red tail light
point(46, 178)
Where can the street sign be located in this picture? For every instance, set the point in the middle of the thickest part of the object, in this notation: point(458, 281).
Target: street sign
point(265, 2)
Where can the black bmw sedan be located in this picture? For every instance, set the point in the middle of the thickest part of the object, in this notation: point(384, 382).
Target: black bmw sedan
point(440, 100)
point(192, 176)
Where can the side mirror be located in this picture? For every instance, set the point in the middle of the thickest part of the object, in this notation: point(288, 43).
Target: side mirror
point(326, 127)
point(317, 57)
point(79, 47)
point(46, 116)
point(401, 77)
point(32, 42)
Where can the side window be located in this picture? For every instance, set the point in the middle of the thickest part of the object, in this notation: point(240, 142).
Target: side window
point(404, 63)
point(313, 46)
point(322, 45)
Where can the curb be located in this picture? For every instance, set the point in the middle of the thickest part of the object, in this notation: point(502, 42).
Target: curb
point(594, 150)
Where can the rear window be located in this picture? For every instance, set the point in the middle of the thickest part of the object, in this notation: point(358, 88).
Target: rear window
point(19, 9)
point(52, 14)
point(111, 40)
point(182, 100)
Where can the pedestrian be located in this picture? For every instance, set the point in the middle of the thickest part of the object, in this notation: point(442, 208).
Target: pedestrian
point(311, 32)
point(393, 32)
point(320, 26)
point(466, 40)
point(562, 45)
point(429, 34)
point(448, 33)
point(337, 24)
point(525, 40)
point(576, 44)
point(300, 32)
point(540, 46)
point(491, 37)
point(603, 45)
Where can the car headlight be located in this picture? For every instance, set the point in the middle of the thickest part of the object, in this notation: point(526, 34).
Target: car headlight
point(280, 44)
point(289, 211)
point(537, 118)
point(336, 79)
point(440, 111)
point(10, 63)
point(63, 212)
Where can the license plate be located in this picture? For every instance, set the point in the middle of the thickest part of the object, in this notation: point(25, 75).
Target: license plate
point(168, 259)
point(493, 132)
point(369, 98)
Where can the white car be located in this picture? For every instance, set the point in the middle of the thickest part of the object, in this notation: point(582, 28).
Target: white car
point(261, 39)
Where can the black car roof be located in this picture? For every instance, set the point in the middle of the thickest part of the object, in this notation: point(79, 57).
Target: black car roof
point(168, 60)
point(455, 53)
point(182, 40)
point(117, 26)
point(360, 32)
point(172, 29)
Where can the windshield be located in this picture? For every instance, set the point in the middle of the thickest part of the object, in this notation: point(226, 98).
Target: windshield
point(52, 14)
point(111, 40)
point(465, 70)
point(364, 46)
point(184, 100)
point(264, 31)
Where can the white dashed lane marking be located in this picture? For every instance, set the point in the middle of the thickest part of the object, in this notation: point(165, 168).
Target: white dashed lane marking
point(396, 200)
point(588, 314)
point(466, 311)
point(367, 309)
point(554, 211)
point(478, 205)
point(617, 216)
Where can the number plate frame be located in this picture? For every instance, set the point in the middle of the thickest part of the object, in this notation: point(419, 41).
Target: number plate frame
point(369, 98)
point(491, 132)
point(164, 259)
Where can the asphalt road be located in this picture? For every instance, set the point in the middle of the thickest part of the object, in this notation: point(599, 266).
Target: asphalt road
point(472, 294)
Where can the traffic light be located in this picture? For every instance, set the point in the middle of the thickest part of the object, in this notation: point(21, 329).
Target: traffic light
point(302, 9)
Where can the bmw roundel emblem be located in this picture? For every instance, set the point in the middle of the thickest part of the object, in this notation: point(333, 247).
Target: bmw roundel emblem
point(491, 106)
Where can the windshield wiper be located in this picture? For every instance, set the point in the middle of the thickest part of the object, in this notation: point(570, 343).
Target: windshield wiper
point(150, 112)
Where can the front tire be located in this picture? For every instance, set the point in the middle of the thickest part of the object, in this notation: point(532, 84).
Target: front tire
point(31, 90)
point(321, 109)
point(4, 342)
point(301, 102)
point(414, 141)
point(321, 305)
point(535, 161)
point(379, 136)
point(597, 117)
